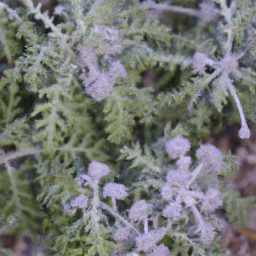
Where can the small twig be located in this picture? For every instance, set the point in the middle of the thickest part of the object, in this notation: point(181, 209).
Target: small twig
point(115, 214)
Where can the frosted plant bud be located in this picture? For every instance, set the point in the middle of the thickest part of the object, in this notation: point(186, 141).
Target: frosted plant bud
point(132, 254)
point(147, 4)
point(80, 180)
point(121, 234)
point(207, 11)
point(68, 210)
point(211, 200)
point(228, 64)
point(244, 132)
point(148, 241)
point(177, 147)
point(97, 170)
point(188, 200)
point(178, 177)
point(172, 210)
point(140, 211)
point(114, 190)
point(184, 162)
point(99, 85)
point(87, 55)
point(100, 89)
point(80, 201)
point(199, 62)
point(59, 9)
point(207, 233)
point(107, 33)
point(111, 36)
point(160, 250)
point(116, 70)
point(167, 193)
point(210, 157)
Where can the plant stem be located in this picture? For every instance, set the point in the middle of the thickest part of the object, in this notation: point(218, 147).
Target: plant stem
point(115, 214)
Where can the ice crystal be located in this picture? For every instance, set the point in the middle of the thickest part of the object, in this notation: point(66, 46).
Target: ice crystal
point(177, 147)
point(117, 191)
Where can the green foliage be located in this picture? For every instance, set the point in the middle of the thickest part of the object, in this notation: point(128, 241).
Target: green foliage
point(237, 208)
point(51, 127)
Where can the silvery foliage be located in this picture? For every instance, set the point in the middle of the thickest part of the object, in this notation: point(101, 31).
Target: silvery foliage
point(179, 195)
point(72, 77)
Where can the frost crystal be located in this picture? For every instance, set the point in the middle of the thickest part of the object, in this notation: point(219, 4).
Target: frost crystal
point(172, 210)
point(121, 234)
point(177, 147)
point(207, 11)
point(117, 191)
point(148, 241)
point(97, 170)
point(210, 157)
point(211, 200)
point(184, 162)
point(160, 250)
point(140, 210)
point(80, 201)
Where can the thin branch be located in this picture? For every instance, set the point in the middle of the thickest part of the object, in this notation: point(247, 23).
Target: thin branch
point(115, 214)
point(195, 174)
point(244, 132)
point(14, 186)
point(166, 7)
point(48, 23)
point(10, 11)
point(13, 155)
